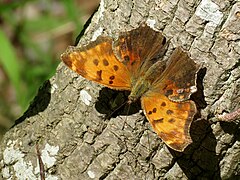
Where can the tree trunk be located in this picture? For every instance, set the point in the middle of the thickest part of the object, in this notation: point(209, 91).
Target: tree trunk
point(67, 119)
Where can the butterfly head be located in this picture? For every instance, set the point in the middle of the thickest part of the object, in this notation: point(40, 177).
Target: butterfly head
point(131, 99)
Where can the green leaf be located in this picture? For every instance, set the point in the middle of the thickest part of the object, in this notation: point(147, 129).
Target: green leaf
point(73, 12)
point(9, 63)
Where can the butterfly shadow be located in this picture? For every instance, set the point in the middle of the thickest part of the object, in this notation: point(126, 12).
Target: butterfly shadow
point(113, 103)
point(200, 160)
point(39, 103)
point(231, 128)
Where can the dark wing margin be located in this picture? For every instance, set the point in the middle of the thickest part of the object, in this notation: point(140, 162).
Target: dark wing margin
point(178, 81)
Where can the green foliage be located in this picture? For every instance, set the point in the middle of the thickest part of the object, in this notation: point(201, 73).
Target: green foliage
point(10, 64)
point(72, 12)
point(36, 61)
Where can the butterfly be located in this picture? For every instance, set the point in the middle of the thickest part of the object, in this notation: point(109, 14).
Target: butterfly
point(134, 62)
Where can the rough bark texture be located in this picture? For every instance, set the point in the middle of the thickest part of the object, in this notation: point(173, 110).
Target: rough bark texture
point(66, 119)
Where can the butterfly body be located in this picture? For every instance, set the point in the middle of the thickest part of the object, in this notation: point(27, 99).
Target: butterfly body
point(134, 62)
point(145, 82)
point(138, 89)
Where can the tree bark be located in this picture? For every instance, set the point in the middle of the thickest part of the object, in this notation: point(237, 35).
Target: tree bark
point(67, 119)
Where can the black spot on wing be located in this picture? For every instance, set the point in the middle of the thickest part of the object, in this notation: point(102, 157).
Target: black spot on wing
point(115, 67)
point(96, 62)
point(163, 104)
point(169, 92)
point(105, 62)
point(160, 120)
point(169, 112)
point(99, 75)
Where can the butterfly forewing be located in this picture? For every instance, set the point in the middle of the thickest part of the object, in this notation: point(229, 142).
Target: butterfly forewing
point(139, 48)
point(178, 81)
point(97, 62)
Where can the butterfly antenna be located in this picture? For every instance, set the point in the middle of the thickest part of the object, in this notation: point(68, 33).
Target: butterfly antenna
point(115, 110)
point(125, 120)
point(149, 146)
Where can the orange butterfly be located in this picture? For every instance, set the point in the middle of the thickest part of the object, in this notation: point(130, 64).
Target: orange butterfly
point(134, 62)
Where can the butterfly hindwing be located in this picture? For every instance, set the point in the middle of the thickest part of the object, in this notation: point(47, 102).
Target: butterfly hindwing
point(170, 120)
point(97, 62)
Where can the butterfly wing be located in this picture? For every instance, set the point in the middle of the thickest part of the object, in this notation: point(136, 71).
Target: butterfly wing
point(139, 48)
point(170, 120)
point(166, 103)
point(178, 81)
point(97, 62)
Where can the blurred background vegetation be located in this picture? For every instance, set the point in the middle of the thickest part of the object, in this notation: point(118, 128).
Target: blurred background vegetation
point(33, 34)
